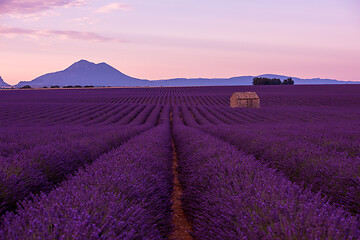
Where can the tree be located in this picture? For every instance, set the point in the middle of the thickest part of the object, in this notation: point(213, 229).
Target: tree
point(266, 81)
point(288, 81)
point(272, 81)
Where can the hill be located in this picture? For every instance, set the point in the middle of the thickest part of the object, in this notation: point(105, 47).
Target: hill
point(3, 84)
point(87, 73)
point(242, 80)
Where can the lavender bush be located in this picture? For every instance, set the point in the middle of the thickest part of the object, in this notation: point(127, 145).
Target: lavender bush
point(230, 195)
point(308, 135)
point(334, 171)
point(125, 194)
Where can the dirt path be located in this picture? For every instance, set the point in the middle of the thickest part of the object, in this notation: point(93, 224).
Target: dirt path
point(181, 226)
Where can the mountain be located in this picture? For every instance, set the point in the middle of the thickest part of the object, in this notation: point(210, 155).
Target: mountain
point(307, 81)
point(85, 73)
point(3, 84)
point(245, 80)
point(242, 80)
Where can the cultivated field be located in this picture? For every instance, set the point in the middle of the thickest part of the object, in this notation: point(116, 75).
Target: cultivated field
point(179, 163)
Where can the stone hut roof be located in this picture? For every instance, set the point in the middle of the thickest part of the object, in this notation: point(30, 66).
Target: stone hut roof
point(245, 95)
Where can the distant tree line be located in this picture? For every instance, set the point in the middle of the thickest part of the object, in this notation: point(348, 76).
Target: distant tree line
point(272, 81)
point(70, 86)
point(57, 86)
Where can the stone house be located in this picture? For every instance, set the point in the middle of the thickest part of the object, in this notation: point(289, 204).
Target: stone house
point(245, 100)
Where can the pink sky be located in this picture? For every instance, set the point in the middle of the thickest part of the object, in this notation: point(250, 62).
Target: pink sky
point(166, 39)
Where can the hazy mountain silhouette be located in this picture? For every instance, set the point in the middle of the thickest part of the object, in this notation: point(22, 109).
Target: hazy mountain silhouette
point(307, 81)
point(242, 80)
point(3, 84)
point(87, 73)
point(245, 80)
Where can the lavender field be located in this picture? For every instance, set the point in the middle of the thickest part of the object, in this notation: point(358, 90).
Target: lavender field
point(179, 163)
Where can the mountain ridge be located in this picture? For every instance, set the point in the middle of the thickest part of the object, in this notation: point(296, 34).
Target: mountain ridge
point(3, 83)
point(84, 73)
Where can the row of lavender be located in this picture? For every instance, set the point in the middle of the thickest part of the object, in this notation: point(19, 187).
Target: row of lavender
point(286, 96)
point(214, 115)
point(231, 195)
point(124, 194)
point(228, 194)
point(122, 114)
point(83, 114)
point(17, 138)
point(331, 158)
point(39, 165)
point(109, 106)
point(330, 165)
point(324, 156)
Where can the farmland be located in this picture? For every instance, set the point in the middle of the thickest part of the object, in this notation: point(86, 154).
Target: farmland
point(159, 163)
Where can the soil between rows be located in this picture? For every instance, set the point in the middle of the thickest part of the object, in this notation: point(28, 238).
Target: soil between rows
point(182, 227)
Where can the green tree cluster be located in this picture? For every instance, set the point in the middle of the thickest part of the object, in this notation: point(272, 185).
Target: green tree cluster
point(272, 81)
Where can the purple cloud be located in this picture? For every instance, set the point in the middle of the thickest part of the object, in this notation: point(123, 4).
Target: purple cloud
point(32, 6)
point(91, 36)
point(14, 31)
point(80, 35)
point(113, 7)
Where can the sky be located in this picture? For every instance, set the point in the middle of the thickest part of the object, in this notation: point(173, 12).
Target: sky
point(162, 39)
